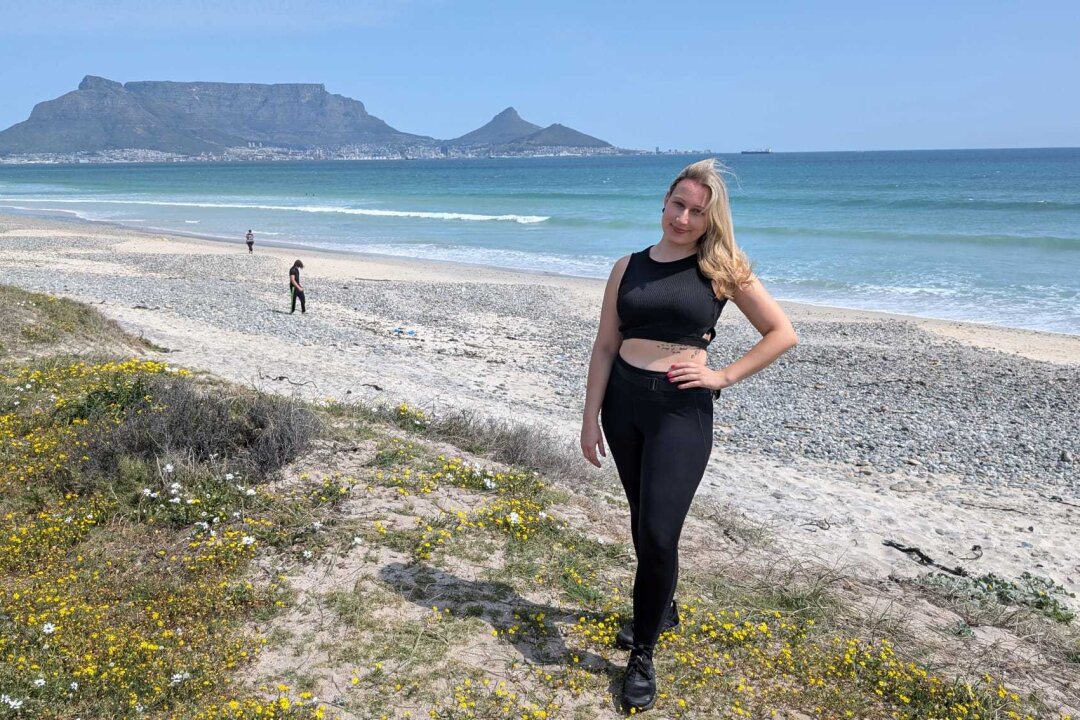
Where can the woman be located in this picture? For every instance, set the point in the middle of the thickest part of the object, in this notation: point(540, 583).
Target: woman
point(649, 382)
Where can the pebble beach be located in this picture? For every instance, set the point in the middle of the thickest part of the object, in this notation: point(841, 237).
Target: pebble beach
point(877, 427)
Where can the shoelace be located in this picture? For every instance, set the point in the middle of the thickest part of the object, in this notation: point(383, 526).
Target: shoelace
point(639, 662)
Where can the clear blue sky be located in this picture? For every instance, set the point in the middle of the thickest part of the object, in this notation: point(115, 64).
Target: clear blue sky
point(694, 75)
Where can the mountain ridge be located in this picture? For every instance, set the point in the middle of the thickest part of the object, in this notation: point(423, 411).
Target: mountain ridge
point(205, 118)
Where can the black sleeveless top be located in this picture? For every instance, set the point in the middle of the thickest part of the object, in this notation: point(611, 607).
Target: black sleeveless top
point(667, 301)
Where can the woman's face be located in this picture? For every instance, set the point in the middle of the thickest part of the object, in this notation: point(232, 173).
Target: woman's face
point(684, 220)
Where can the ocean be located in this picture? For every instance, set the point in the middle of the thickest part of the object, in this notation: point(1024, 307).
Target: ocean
point(989, 236)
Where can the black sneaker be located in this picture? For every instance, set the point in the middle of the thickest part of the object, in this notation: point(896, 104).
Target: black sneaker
point(639, 682)
point(625, 637)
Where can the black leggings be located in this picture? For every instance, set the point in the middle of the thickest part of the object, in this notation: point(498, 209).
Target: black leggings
point(661, 438)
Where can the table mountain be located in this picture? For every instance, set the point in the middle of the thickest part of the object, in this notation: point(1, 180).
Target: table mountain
point(197, 117)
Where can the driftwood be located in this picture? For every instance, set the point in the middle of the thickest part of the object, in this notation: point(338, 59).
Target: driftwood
point(924, 559)
point(288, 380)
point(822, 524)
point(993, 507)
point(1058, 499)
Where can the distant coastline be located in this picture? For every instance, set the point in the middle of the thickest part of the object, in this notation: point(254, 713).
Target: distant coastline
point(246, 155)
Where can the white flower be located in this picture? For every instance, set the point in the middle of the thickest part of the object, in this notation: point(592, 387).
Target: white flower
point(13, 703)
point(147, 492)
point(16, 402)
point(191, 501)
point(74, 685)
point(174, 500)
point(139, 709)
point(601, 541)
point(40, 682)
point(514, 518)
point(543, 515)
point(247, 540)
point(174, 488)
point(178, 678)
point(316, 526)
point(236, 514)
point(48, 628)
point(228, 477)
point(168, 467)
point(357, 540)
point(250, 492)
point(307, 554)
point(489, 484)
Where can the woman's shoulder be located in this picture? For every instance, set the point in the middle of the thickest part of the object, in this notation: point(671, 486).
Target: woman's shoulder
point(621, 264)
point(619, 269)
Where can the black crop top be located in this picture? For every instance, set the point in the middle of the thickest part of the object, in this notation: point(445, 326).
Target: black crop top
point(667, 301)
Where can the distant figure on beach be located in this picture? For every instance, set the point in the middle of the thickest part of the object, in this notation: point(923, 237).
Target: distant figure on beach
point(296, 290)
point(651, 389)
point(250, 237)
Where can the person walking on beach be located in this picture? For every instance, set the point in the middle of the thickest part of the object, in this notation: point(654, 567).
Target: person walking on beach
point(649, 387)
point(295, 288)
point(250, 238)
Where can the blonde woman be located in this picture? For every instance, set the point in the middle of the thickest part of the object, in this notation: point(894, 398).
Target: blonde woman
point(649, 385)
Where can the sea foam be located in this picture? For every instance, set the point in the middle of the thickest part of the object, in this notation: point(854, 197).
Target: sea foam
point(372, 212)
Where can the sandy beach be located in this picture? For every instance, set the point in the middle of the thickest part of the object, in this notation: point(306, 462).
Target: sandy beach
point(957, 439)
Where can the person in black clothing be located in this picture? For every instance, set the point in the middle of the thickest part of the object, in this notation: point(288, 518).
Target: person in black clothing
point(250, 239)
point(295, 288)
point(649, 386)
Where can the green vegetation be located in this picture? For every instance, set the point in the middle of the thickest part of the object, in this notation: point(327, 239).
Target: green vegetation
point(1039, 594)
point(36, 324)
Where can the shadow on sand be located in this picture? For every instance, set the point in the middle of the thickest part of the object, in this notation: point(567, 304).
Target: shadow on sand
point(539, 642)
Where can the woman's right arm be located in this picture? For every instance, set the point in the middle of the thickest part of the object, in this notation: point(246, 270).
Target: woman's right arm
point(604, 350)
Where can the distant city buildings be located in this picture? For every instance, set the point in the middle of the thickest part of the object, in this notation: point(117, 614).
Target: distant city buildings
point(255, 153)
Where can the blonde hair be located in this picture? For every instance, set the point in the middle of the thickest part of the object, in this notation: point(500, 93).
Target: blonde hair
point(720, 259)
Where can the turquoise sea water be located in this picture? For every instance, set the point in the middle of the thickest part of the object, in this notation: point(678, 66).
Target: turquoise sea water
point(981, 235)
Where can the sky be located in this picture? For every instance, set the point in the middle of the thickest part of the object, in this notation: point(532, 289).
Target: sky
point(720, 75)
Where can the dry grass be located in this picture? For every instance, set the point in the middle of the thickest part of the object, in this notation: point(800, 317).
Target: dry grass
point(36, 324)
